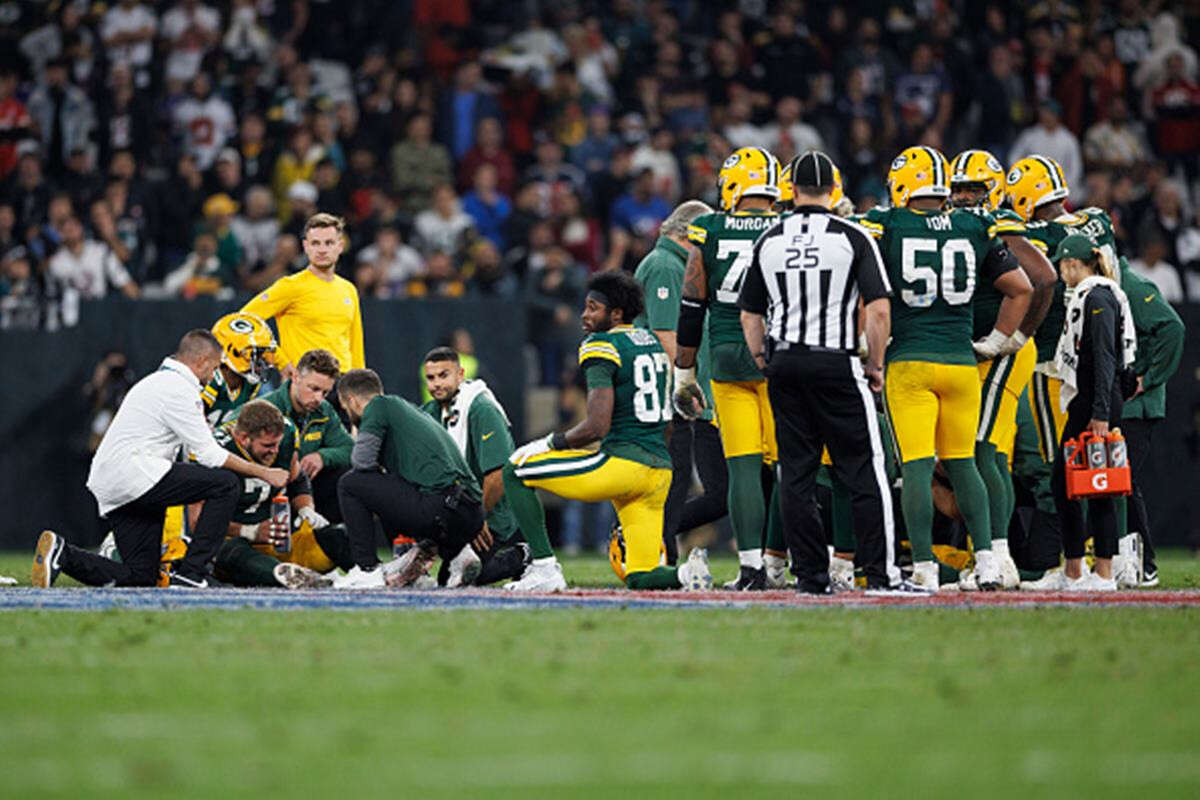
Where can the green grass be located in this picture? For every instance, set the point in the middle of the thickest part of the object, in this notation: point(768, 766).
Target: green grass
point(1055, 702)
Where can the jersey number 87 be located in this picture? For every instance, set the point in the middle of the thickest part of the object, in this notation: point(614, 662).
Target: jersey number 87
point(649, 405)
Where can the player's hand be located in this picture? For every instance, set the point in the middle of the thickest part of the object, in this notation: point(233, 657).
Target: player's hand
point(1013, 344)
point(688, 397)
point(987, 347)
point(277, 535)
point(874, 377)
point(276, 477)
point(309, 514)
point(312, 464)
point(1098, 427)
point(483, 542)
point(531, 449)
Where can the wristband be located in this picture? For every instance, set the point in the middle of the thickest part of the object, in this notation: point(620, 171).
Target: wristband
point(996, 339)
point(558, 441)
point(248, 532)
point(1019, 339)
point(684, 376)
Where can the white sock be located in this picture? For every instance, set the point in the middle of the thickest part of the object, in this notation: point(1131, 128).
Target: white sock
point(1000, 548)
point(548, 561)
point(750, 558)
point(774, 562)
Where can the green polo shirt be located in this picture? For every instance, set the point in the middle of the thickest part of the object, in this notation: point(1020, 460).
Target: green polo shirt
point(661, 275)
point(1160, 335)
point(320, 432)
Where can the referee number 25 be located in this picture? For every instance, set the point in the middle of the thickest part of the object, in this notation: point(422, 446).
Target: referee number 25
point(929, 268)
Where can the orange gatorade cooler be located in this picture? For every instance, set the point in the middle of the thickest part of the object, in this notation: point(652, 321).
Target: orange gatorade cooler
point(1095, 466)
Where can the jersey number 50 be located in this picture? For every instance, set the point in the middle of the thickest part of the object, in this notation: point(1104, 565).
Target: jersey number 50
point(651, 400)
point(926, 282)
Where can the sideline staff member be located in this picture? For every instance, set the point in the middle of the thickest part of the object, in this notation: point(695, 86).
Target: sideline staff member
point(315, 309)
point(135, 477)
point(806, 276)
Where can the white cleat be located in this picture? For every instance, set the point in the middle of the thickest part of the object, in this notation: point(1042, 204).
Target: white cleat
point(294, 576)
point(924, 579)
point(1010, 577)
point(464, 568)
point(841, 574)
point(1098, 584)
point(693, 574)
point(359, 578)
point(45, 559)
point(987, 571)
point(540, 577)
point(1081, 584)
point(1055, 580)
point(406, 570)
point(777, 572)
point(966, 582)
point(108, 547)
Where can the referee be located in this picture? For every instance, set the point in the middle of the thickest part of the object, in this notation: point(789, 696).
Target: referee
point(799, 306)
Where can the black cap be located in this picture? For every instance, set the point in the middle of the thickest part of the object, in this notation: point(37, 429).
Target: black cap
point(813, 169)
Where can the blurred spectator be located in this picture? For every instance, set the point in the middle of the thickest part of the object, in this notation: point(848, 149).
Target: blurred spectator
point(246, 39)
point(331, 195)
point(296, 164)
point(790, 136)
point(487, 206)
point(443, 227)
point(64, 117)
point(122, 222)
point(285, 259)
point(635, 220)
point(111, 381)
point(580, 234)
point(1164, 220)
point(1175, 103)
point(740, 130)
point(923, 94)
point(301, 204)
point(8, 228)
point(189, 29)
point(125, 117)
point(32, 300)
point(14, 121)
point(201, 272)
point(441, 278)
point(29, 192)
point(594, 153)
point(1116, 142)
point(1049, 137)
point(656, 154)
point(1155, 68)
point(226, 175)
point(256, 229)
point(489, 276)
point(387, 265)
point(467, 103)
point(218, 218)
point(81, 180)
point(488, 149)
point(205, 121)
point(418, 164)
point(1151, 266)
point(43, 240)
point(1130, 25)
point(1187, 246)
point(552, 176)
point(87, 266)
point(552, 298)
point(258, 161)
point(178, 200)
point(128, 31)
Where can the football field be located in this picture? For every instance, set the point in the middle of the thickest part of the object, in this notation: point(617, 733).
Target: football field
point(589, 700)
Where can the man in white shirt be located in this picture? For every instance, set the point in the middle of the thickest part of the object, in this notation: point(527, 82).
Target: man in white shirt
point(128, 30)
point(89, 267)
point(205, 121)
point(135, 478)
point(1049, 137)
point(789, 135)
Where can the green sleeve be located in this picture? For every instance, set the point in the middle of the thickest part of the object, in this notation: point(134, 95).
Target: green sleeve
point(1164, 350)
point(662, 289)
point(599, 373)
point(336, 442)
point(490, 435)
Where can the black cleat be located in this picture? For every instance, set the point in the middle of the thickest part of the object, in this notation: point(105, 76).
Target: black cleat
point(178, 580)
point(749, 580)
point(46, 559)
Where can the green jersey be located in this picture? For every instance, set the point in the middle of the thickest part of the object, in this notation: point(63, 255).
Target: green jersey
point(1160, 337)
point(1045, 235)
point(726, 243)
point(986, 305)
point(488, 440)
point(321, 431)
point(934, 261)
point(415, 447)
point(632, 362)
point(661, 275)
point(221, 404)
point(254, 505)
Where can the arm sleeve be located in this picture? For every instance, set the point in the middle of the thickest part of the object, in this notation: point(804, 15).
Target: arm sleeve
point(365, 455)
point(1103, 313)
point(490, 435)
point(302, 485)
point(336, 443)
point(869, 269)
point(1165, 348)
point(662, 299)
point(117, 274)
point(184, 415)
point(599, 374)
point(998, 261)
point(357, 355)
point(269, 302)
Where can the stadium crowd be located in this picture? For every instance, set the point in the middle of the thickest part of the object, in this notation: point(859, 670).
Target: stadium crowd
point(174, 149)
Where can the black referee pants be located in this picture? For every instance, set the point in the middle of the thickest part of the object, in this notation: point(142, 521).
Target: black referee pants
point(1139, 436)
point(448, 517)
point(138, 528)
point(694, 442)
point(822, 399)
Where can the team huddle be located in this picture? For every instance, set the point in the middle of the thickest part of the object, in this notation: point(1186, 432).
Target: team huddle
point(974, 385)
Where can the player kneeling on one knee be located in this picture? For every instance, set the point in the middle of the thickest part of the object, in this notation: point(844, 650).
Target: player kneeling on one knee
point(628, 407)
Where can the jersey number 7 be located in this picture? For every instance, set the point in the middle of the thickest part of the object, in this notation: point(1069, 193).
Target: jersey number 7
point(743, 251)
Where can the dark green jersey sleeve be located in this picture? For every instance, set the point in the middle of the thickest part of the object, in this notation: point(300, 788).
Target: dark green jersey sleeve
point(336, 442)
point(491, 439)
point(599, 374)
point(662, 290)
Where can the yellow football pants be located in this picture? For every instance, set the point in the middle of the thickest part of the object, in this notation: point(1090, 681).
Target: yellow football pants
point(933, 408)
point(1044, 393)
point(305, 550)
point(638, 492)
point(747, 425)
point(1002, 381)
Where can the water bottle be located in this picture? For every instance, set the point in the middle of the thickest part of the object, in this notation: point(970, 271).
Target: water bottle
point(1070, 447)
point(1097, 454)
point(1118, 456)
point(281, 521)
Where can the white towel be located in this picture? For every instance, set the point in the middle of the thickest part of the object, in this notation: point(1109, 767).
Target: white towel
point(1066, 355)
point(454, 418)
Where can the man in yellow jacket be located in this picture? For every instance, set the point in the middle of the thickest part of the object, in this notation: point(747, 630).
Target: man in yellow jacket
point(316, 308)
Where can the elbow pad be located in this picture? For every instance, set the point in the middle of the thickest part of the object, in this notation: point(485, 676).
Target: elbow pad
point(690, 329)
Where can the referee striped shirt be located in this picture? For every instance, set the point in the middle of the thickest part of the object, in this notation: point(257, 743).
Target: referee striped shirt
point(806, 276)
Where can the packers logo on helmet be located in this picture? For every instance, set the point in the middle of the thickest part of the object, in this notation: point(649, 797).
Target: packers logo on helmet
point(918, 172)
point(247, 344)
point(616, 552)
point(979, 167)
point(749, 171)
point(1034, 181)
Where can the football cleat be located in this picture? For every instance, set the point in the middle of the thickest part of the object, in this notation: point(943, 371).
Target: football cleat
point(359, 578)
point(693, 574)
point(1081, 584)
point(776, 572)
point(464, 568)
point(749, 579)
point(841, 574)
point(414, 563)
point(987, 572)
point(543, 577)
point(924, 578)
point(45, 559)
point(918, 172)
point(1098, 584)
point(177, 580)
point(1150, 580)
point(294, 576)
point(108, 547)
point(1053, 581)
point(1010, 576)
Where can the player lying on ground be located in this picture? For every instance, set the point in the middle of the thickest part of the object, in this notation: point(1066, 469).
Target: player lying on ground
point(628, 407)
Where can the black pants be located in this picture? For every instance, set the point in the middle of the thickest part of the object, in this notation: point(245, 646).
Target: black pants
point(694, 442)
point(138, 528)
point(1139, 435)
point(821, 399)
point(447, 517)
point(325, 493)
point(1102, 511)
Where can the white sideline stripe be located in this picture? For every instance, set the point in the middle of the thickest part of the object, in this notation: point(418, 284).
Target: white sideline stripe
point(559, 466)
point(885, 491)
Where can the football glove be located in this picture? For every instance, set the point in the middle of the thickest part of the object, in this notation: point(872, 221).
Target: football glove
point(531, 449)
point(688, 397)
point(1014, 343)
point(309, 514)
point(987, 347)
